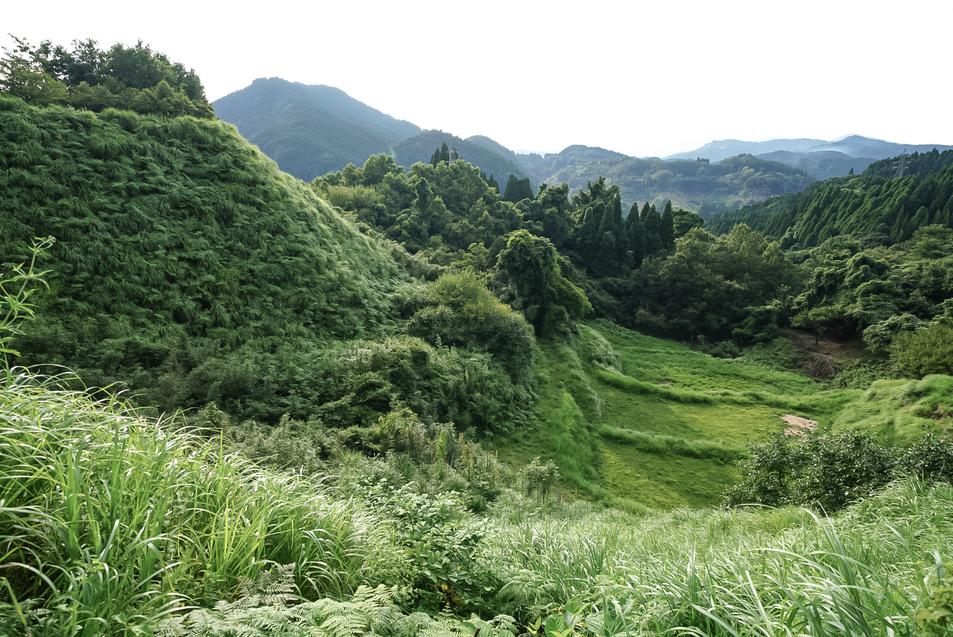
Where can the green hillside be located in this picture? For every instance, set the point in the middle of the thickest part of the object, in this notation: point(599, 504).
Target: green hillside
point(189, 269)
point(645, 423)
point(879, 204)
point(395, 401)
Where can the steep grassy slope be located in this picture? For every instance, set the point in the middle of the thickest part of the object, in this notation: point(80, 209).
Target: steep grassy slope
point(641, 422)
point(177, 242)
point(310, 130)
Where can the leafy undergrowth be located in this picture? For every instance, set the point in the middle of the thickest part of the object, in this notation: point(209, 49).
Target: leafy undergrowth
point(637, 421)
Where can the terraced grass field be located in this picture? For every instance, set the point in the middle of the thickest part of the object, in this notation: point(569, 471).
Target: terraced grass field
point(643, 422)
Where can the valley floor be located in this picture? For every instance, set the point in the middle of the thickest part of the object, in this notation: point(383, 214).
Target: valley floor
point(648, 423)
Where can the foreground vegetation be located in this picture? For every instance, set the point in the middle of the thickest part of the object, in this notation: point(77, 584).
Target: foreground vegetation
point(389, 410)
point(117, 524)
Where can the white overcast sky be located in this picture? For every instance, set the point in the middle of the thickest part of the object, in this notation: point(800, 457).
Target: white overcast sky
point(644, 78)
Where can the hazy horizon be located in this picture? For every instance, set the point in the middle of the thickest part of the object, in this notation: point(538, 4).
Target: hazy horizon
point(643, 80)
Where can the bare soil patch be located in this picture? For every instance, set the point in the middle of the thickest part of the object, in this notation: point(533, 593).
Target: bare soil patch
point(798, 426)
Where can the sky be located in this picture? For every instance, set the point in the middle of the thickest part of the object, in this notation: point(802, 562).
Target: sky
point(647, 78)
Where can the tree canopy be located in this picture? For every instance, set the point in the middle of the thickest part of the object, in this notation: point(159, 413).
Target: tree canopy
point(84, 76)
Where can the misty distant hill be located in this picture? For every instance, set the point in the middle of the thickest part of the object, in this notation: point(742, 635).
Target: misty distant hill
point(819, 158)
point(822, 164)
point(725, 148)
point(699, 185)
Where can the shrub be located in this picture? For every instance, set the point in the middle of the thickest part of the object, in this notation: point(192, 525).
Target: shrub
point(539, 478)
point(878, 337)
point(831, 470)
point(927, 351)
point(441, 542)
point(597, 350)
point(459, 310)
point(930, 458)
point(839, 469)
point(936, 619)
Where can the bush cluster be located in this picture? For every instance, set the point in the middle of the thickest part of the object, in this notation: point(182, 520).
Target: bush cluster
point(830, 470)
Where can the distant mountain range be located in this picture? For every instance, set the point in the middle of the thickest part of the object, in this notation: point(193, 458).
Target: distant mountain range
point(312, 130)
point(700, 185)
point(819, 158)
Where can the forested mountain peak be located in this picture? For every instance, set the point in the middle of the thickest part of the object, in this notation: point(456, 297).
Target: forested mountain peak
point(330, 99)
point(309, 130)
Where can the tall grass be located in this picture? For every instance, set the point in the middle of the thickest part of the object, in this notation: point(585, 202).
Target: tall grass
point(759, 572)
point(114, 521)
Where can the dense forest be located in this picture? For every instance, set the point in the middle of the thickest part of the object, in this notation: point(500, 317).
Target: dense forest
point(887, 203)
point(425, 399)
point(85, 76)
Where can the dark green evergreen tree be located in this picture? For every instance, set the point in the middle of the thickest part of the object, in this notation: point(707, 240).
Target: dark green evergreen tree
point(667, 227)
point(517, 189)
point(651, 225)
point(635, 237)
point(529, 267)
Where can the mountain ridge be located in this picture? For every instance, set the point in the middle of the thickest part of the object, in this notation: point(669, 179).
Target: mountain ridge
point(310, 129)
point(817, 157)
